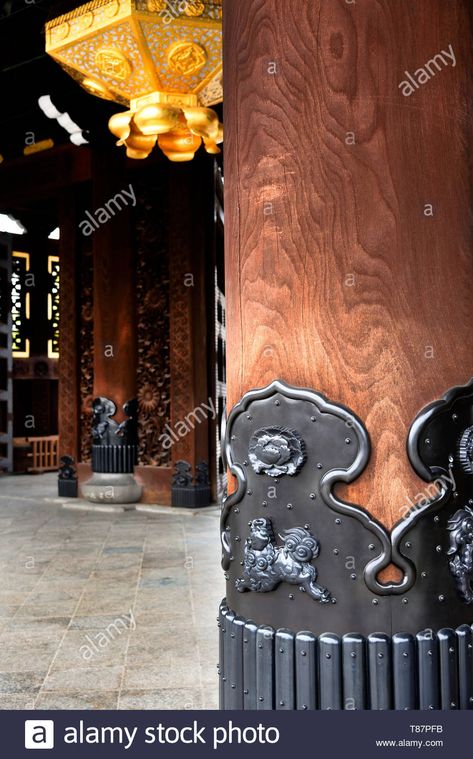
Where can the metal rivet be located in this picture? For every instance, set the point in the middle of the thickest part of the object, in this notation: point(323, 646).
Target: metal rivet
point(319, 465)
point(233, 686)
point(423, 574)
point(375, 601)
point(437, 519)
point(281, 703)
point(338, 521)
point(405, 654)
point(260, 645)
point(250, 492)
point(281, 650)
point(427, 441)
point(242, 563)
point(312, 495)
point(245, 640)
point(224, 679)
point(328, 656)
point(302, 589)
point(336, 551)
point(289, 506)
point(249, 417)
point(260, 698)
point(455, 495)
point(265, 503)
point(438, 549)
point(454, 417)
point(408, 544)
point(303, 653)
point(353, 576)
point(453, 704)
point(353, 655)
point(451, 650)
point(232, 635)
point(246, 691)
point(291, 596)
point(347, 440)
point(405, 601)
point(277, 403)
point(313, 419)
point(380, 655)
point(233, 437)
point(304, 707)
point(227, 577)
point(236, 511)
point(245, 463)
point(307, 526)
point(429, 653)
point(371, 546)
point(237, 538)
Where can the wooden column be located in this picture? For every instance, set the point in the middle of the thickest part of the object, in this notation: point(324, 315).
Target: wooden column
point(190, 213)
point(348, 212)
point(114, 302)
point(68, 393)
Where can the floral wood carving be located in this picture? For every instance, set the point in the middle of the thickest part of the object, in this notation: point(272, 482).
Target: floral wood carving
point(152, 305)
point(86, 352)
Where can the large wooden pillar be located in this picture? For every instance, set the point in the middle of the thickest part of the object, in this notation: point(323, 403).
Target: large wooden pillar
point(348, 230)
point(349, 268)
point(114, 294)
point(189, 252)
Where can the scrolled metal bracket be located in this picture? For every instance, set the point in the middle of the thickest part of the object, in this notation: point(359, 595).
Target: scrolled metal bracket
point(280, 450)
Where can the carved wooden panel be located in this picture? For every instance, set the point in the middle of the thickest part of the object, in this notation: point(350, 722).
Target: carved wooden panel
point(152, 309)
point(68, 397)
point(86, 353)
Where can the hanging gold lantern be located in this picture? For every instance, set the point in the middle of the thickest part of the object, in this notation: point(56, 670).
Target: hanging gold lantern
point(162, 59)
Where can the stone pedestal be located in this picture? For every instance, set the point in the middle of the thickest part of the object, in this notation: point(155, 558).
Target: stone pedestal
point(107, 487)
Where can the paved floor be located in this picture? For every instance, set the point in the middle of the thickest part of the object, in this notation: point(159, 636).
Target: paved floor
point(105, 610)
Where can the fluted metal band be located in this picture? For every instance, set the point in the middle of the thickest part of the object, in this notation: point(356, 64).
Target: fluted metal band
point(264, 668)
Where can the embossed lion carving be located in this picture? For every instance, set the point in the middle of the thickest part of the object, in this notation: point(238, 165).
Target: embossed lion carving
point(266, 565)
point(461, 550)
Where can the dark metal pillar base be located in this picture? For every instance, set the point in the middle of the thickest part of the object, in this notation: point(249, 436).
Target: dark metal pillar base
point(264, 668)
point(190, 491)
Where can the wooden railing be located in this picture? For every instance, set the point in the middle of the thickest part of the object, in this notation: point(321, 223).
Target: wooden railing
point(44, 452)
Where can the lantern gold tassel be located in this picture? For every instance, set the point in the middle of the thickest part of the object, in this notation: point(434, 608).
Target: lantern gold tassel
point(179, 132)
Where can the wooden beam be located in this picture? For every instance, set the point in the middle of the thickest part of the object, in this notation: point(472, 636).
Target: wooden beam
point(43, 175)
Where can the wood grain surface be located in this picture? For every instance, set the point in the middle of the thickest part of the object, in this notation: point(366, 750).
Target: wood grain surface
point(338, 277)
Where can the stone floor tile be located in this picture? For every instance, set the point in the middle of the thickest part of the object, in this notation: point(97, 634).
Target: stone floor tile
point(84, 678)
point(169, 698)
point(77, 700)
point(21, 682)
point(17, 701)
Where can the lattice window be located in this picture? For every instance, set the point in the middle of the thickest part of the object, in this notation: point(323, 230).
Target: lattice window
point(20, 304)
point(53, 306)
